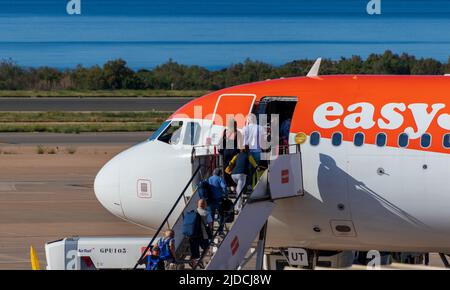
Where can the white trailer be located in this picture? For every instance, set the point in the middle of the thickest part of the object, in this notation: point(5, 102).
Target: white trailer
point(90, 253)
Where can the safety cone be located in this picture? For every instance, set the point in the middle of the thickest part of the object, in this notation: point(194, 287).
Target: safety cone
point(34, 259)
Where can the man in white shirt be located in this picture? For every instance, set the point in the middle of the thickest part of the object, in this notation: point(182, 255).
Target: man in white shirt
point(254, 136)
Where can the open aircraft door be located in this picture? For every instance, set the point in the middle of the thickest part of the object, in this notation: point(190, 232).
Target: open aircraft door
point(286, 176)
point(236, 106)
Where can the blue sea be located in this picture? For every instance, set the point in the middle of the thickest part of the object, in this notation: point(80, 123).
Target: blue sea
point(215, 34)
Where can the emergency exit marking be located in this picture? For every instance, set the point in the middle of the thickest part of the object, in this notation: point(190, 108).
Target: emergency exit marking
point(144, 189)
point(234, 245)
point(285, 176)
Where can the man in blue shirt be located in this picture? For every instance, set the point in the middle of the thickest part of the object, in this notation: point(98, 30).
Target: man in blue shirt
point(284, 135)
point(154, 261)
point(219, 192)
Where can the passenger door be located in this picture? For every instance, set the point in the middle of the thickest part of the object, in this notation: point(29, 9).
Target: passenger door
point(237, 106)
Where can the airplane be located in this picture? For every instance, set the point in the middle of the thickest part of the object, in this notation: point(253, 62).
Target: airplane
point(374, 153)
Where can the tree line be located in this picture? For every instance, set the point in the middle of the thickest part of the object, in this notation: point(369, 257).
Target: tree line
point(116, 74)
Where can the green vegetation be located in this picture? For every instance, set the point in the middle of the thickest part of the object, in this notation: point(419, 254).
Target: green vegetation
point(77, 122)
point(85, 117)
point(79, 128)
point(40, 149)
point(51, 151)
point(8, 152)
point(115, 78)
point(102, 93)
point(71, 150)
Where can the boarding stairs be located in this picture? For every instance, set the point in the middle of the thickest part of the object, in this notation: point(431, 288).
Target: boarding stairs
point(253, 206)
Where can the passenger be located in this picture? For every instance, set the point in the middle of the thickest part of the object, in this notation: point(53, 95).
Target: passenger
point(202, 233)
point(254, 135)
point(154, 261)
point(166, 246)
point(229, 147)
point(241, 164)
point(219, 192)
point(284, 135)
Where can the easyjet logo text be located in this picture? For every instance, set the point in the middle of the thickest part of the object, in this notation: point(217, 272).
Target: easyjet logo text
point(391, 117)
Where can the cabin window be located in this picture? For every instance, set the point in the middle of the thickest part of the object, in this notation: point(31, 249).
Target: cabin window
point(160, 129)
point(381, 139)
point(336, 139)
point(403, 140)
point(314, 139)
point(447, 140)
point(172, 133)
point(358, 139)
point(425, 140)
point(192, 134)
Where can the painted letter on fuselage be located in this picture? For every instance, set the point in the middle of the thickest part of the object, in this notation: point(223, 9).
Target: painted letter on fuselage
point(393, 117)
point(326, 110)
point(422, 118)
point(444, 121)
point(363, 119)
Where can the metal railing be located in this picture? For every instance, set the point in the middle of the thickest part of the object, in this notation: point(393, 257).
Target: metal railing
point(215, 234)
point(214, 162)
point(139, 262)
point(165, 222)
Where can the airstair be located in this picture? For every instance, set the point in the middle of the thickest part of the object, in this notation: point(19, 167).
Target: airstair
point(282, 178)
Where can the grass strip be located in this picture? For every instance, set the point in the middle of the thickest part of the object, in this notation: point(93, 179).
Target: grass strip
point(103, 93)
point(86, 117)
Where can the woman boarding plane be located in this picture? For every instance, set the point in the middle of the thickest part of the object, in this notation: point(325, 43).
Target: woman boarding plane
point(375, 161)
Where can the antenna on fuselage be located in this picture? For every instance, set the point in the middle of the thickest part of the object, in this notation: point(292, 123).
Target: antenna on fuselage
point(314, 71)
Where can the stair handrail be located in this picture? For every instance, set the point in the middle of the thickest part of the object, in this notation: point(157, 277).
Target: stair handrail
point(238, 197)
point(139, 262)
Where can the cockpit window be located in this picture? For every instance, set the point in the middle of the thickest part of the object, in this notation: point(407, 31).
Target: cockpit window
point(192, 134)
point(172, 133)
point(157, 132)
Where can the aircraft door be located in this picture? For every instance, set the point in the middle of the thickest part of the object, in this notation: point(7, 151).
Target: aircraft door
point(236, 106)
point(286, 176)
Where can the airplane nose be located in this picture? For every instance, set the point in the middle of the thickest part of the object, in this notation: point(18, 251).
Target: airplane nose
point(107, 188)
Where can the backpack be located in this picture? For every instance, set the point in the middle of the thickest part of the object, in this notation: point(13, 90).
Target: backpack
point(205, 191)
point(227, 210)
point(164, 246)
point(190, 223)
point(152, 263)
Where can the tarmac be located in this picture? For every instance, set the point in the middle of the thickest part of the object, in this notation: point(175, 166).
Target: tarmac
point(44, 197)
point(106, 138)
